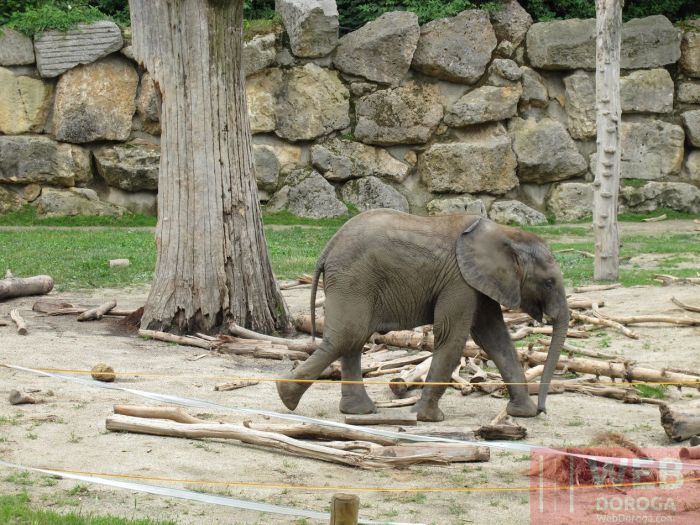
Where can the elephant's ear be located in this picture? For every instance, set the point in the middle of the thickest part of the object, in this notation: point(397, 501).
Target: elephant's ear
point(488, 262)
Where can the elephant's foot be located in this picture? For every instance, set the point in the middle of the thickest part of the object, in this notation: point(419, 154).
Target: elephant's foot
point(290, 393)
point(525, 408)
point(428, 411)
point(357, 404)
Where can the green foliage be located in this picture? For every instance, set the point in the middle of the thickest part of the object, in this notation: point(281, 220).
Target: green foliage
point(56, 15)
point(653, 391)
point(543, 10)
point(355, 13)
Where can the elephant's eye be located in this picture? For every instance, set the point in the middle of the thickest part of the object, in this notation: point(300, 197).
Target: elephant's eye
point(549, 283)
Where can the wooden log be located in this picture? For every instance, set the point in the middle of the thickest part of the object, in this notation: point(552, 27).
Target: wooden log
point(596, 288)
point(345, 509)
point(670, 279)
point(176, 414)
point(178, 339)
point(311, 431)
point(685, 306)
point(680, 422)
point(97, 313)
point(119, 263)
point(580, 303)
point(22, 287)
point(394, 417)
point(397, 403)
point(664, 319)
point(604, 322)
point(277, 352)
point(303, 324)
point(689, 453)
point(658, 218)
point(19, 321)
point(407, 379)
point(304, 345)
point(451, 452)
point(235, 385)
point(523, 332)
point(55, 309)
point(501, 432)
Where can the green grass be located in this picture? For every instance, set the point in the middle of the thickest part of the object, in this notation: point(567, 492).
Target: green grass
point(653, 391)
point(16, 509)
point(27, 217)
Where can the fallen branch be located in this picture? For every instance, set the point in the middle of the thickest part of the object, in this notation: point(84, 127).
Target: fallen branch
point(22, 287)
point(303, 324)
point(257, 349)
point(54, 309)
point(19, 321)
point(580, 303)
point(293, 344)
point(502, 427)
point(665, 319)
point(670, 279)
point(580, 252)
point(685, 306)
point(596, 287)
point(311, 431)
point(656, 219)
point(171, 413)
point(599, 321)
point(523, 332)
point(397, 403)
point(178, 339)
point(394, 417)
point(680, 422)
point(97, 313)
point(407, 379)
point(235, 385)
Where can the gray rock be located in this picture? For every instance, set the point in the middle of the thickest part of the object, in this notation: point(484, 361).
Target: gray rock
point(688, 92)
point(678, 196)
point(692, 167)
point(545, 150)
point(284, 58)
point(142, 202)
point(16, 49)
point(148, 103)
point(534, 90)
point(24, 103)
point(360, 89)
point(96, 101)
point(580, 104)
point(312, 102)
point(259, 53)
point(570, 44)
point(30, 159)
point(340, 160)
point(279, 201)
point(515, 212)
point(74, 201)
point(369, 192)
point(457, 48)
point(504, 72)
point(130, 167)
point(460, 204)
point(381, 50)
point(408, 114)
point(651, 150)
point(59, 51)
point(570, 201)
point(484, 104)
point(310, 195)
point(9, 200)
point(312, 25)
point(482, 161)
point(690, 52)
point(691, 123)
point(510, 21)
point(261, 93)
point(267, 167)
point(504, 49)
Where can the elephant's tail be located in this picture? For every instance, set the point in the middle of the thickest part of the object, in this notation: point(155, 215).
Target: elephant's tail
point(314, 286)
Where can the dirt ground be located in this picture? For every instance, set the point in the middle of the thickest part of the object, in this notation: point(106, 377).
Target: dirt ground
point(68, 432)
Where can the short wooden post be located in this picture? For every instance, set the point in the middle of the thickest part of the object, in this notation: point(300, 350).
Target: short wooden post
point(345, 509)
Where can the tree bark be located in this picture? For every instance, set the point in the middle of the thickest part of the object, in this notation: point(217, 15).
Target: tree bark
point(212, 266)
point(607, 180)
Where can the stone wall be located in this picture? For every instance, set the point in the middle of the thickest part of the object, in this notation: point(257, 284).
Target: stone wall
point(484, 112)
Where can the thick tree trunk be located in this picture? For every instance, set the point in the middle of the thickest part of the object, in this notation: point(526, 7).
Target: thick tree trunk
point(212, 266)
point(607, 180)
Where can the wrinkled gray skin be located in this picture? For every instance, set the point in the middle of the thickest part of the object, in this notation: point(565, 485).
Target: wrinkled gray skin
point(386, 270)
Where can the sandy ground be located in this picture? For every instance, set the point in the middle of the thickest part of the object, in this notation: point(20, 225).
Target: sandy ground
point(68, 431)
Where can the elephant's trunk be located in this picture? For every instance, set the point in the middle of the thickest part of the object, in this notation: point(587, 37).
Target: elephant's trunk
point(561, 325)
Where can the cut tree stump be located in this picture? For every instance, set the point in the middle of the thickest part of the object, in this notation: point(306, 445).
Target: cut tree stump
point(97, 313)
point(19, 321)
point(680, 422)
point(345, 509)
point(21, 287)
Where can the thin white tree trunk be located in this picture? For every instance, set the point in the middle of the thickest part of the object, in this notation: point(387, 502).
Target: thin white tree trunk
point(213, 266)
point(607, 181)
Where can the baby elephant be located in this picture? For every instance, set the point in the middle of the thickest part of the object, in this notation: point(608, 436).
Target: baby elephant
point(387, 270)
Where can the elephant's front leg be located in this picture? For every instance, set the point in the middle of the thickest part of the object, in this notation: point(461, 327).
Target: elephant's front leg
point(490, 333)
point(354, 395)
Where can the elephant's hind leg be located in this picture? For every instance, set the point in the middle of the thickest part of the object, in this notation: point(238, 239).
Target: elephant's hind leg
point(354, 398)
point(290, 392)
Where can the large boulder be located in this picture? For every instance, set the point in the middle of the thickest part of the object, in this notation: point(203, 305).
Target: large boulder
point(457, 48)
point(408, 114)
point(261, 94)
point(545, 150)
point(515, 212)
point(570, 44)
point(651, 150)
point(644, 91)
point(96, 102)
point(54, 202)
point(692, 167)
point(688, 92)
point(59, 51)
point(510, 21)
point(24, 103)
point(308, 194)
point(267, 167)
point(39, 159)
point(460, 204)
point(312, 25)
point(9, 200)
point(369, 192)
point(130, 167)
point(691, 123)
point(148, 103)
point(482, 161)
point(678, 196)
point(690, 51)
point(312, 102)
point(484, 104)
point(340, 160)
point(259, 53)
point(16, 49)
point(381, 50)
point(570, 201)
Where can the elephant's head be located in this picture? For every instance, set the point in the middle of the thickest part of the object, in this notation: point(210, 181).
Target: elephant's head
point(517, 269)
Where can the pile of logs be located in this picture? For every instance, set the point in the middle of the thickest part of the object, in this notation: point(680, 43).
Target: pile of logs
point(351, 447)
